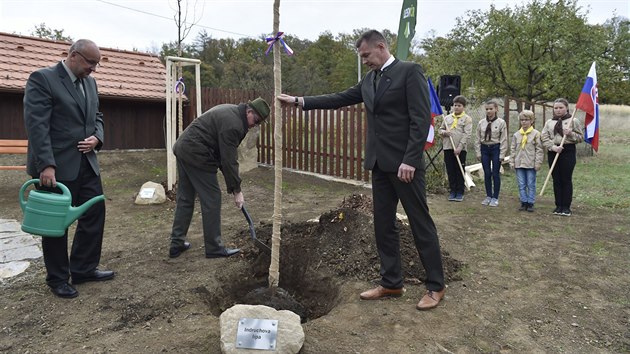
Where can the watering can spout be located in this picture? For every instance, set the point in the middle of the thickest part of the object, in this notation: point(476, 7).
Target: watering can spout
point(76, 212)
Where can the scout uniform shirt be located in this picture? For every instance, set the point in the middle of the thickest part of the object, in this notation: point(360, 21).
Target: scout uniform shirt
point(550, 138)
point(460, 133)
point(529, 155)
point(498, 136)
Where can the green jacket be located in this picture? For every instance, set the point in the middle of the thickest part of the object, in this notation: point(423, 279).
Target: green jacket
point(211, 142)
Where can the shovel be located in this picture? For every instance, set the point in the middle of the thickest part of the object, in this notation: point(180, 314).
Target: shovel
point(261, 245)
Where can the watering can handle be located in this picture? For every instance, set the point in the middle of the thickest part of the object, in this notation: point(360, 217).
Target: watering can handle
point(61, 186)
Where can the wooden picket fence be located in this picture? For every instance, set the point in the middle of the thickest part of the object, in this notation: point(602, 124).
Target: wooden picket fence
point(328, 142)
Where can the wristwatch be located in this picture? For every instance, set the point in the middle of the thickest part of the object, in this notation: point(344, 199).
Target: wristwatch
point(297, 102)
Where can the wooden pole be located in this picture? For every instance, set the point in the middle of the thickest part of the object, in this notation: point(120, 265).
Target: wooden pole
point(555, 159)
point(274, 266)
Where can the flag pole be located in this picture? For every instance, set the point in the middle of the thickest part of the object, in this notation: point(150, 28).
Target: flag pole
point(555, 159)
point(459, 162)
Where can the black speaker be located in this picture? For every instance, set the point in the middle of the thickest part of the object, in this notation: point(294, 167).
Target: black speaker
point(449, 87)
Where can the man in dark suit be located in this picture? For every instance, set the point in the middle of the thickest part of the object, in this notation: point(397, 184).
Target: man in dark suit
point(64, 129)
point(396, 98)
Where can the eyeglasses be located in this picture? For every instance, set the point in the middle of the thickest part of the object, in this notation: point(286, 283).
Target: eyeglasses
point(93, 63)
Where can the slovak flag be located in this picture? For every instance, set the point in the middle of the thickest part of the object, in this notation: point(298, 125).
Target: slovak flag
point(436, 110)
point(589, 103)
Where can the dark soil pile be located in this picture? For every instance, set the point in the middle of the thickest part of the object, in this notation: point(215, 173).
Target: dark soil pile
point(316, 256)
point(342, 245)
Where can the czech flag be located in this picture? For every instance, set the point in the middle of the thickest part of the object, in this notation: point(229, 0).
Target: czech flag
point(589, 103)
point(436, 110)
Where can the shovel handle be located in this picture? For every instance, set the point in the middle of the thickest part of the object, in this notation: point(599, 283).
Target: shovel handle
point(252, 230)
point(247, 217)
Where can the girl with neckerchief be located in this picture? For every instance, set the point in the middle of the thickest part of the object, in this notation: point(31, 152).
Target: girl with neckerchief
point(491, 143)
point(562, 125)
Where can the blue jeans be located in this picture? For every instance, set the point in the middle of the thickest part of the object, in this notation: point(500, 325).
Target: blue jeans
point(526, 178)
point(491, 165)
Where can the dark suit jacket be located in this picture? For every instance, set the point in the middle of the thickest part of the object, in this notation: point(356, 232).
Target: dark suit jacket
point(56, 119)
point(398, 113)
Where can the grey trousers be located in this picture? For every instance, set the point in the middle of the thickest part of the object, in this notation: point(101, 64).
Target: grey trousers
point(192, 182)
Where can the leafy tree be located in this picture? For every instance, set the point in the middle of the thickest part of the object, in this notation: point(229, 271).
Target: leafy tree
point(539, 51)
point(613, 69)
point(297, 76)
point(316, 64)
point(214, 54)
point(247, 67)
point(43, 31)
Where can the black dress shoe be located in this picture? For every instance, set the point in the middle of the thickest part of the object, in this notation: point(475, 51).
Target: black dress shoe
point(96, 275)
point(65, 291)
point(175, 251)
point(224, 252)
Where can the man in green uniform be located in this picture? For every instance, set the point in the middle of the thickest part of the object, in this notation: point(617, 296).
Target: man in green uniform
point(208, 144)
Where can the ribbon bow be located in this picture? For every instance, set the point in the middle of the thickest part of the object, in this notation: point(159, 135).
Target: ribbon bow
point(278, 37)
point(179, 83)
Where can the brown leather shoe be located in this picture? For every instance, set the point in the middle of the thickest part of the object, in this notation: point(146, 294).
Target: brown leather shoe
point(430, 300)
point(380, 292)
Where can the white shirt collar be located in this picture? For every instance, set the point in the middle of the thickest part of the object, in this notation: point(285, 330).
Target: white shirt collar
point(388, 62)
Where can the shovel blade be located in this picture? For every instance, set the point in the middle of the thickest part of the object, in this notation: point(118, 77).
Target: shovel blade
point(252, 231)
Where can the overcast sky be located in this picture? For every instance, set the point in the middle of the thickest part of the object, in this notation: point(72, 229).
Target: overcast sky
point(146, 24)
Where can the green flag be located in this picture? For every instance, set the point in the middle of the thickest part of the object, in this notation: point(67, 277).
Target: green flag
point(406, 28)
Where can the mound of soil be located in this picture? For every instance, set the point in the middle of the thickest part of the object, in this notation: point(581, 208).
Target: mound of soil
point(316, 256)
point(341, 245)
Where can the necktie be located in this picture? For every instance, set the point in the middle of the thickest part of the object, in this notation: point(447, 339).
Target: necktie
point(78, 85)
point(377, 78)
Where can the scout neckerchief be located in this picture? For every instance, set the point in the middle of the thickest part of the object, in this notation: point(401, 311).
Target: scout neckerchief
point(524, 134)
point(488, 135)
point(557, 129)
point(456, 119)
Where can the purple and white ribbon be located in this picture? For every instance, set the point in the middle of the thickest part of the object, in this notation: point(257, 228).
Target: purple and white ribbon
point(181, 83)
point(278, 37)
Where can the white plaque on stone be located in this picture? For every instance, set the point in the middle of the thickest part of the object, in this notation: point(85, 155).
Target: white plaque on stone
point(254, 333)
point(147, 193)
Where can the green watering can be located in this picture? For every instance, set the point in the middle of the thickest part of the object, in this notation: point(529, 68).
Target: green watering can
point(50, 214)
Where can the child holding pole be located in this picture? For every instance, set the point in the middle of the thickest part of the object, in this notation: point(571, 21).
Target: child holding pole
point(526, 158)
point(455, 131)
point(559, 137)
point(491, 145)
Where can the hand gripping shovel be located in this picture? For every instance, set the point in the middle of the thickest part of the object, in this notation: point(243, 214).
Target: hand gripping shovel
point(261, 245)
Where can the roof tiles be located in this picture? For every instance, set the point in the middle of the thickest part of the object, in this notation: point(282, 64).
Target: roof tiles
point(122, 74)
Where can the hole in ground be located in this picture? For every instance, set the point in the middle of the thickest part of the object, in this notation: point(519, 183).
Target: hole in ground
point(309, 297)
point(316, 257)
